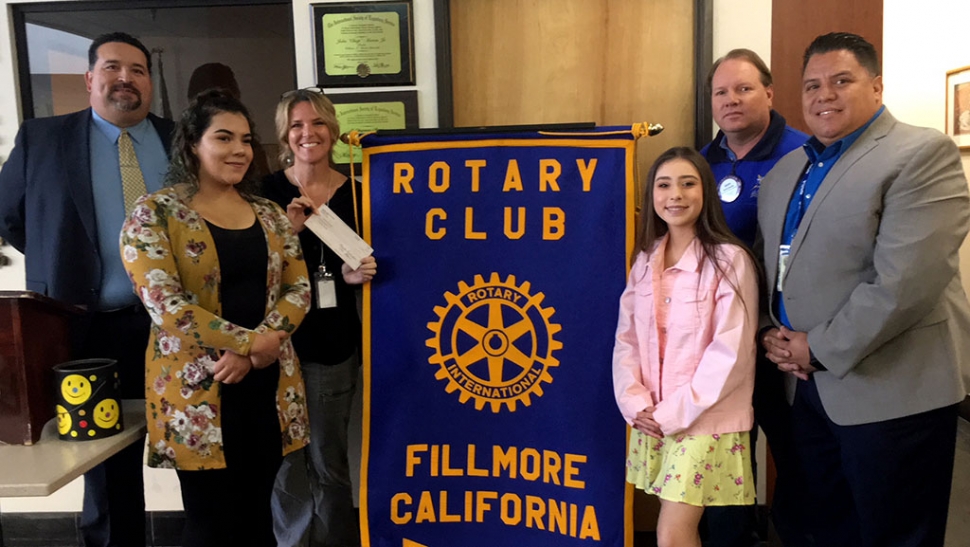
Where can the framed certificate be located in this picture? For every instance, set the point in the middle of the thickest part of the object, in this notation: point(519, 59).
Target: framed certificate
point(369, 112)
point(364, 44)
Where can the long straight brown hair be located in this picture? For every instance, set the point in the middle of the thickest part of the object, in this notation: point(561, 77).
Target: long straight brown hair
point(711, 227)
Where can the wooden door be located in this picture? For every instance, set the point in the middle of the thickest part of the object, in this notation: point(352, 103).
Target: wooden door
point(612, 62)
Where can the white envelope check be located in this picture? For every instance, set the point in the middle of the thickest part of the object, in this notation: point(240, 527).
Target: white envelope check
point(327, 226)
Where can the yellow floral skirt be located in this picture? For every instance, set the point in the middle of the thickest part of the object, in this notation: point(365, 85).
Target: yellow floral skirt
point(701, 470)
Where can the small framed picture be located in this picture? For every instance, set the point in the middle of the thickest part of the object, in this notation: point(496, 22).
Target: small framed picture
point(361, 44)
point(958, 106)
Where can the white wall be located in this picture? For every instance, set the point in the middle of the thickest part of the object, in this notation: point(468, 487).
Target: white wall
point(919, 47)
point(742, 24)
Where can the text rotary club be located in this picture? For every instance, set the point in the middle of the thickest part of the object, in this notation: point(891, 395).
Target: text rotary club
point(478, 173)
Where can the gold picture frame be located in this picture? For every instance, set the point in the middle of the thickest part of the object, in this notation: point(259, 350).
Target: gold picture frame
point(958, 106)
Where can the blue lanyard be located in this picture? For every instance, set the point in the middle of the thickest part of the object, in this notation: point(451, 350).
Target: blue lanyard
point(794, 217)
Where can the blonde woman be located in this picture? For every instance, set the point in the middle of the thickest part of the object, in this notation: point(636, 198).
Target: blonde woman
point(313, 498)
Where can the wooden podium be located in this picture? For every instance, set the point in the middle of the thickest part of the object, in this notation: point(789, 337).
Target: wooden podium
point(34, 336)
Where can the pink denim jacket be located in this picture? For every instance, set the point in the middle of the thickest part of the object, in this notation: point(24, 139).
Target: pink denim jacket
point(704, 381)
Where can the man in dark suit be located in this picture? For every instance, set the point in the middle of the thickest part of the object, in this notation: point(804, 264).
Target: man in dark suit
point(62, 204)
point(862, 230)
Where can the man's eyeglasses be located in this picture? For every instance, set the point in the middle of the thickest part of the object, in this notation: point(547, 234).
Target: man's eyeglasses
point(311, 89)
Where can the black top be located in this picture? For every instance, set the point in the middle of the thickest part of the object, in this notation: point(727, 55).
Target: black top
point(248, 407)
point(243, 259)
point(326, 336)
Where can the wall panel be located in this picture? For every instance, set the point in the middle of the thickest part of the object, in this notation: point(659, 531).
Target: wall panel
point(527, 61)
point(649, 72)
point(560, 61)
point(795, 24)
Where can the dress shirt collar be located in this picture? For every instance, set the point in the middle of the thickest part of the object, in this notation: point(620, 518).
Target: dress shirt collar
point(728, 153)
point(112, 131)
point(816, 150)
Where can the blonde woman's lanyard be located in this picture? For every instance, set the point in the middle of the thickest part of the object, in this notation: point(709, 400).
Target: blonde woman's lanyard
point(323, 281)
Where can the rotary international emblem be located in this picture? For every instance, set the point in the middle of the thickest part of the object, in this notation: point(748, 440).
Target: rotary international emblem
point(493, 342)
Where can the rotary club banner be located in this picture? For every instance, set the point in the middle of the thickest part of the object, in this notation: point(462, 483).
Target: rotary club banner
point(489, 416)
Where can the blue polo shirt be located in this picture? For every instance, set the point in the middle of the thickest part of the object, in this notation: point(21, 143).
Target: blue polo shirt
point(109, 200)
point(742, 213)
point(821, 159)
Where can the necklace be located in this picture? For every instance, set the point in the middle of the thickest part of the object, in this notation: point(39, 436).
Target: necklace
point(329, 188)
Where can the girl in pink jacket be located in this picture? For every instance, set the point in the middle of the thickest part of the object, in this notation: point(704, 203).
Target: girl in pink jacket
point(684, 359)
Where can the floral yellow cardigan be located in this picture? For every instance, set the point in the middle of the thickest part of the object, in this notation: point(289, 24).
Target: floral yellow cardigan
point(171, 259)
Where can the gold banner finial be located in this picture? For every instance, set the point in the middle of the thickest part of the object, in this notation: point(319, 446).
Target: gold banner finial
point(644, 129)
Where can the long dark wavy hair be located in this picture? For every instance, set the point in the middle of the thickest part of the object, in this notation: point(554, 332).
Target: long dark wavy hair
point(195, 120)
point(712, 228)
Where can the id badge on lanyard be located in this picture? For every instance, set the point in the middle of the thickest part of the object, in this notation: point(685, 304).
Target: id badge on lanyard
point(325, 288)
point(784, 251)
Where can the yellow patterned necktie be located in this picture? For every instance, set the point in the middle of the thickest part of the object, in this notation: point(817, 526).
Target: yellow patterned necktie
point(132, 181)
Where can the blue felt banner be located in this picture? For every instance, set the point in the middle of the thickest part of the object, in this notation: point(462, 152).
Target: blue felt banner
point(489, 414)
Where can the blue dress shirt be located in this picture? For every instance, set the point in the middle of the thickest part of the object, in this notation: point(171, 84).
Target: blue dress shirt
point(109, 201)
point(821, 158)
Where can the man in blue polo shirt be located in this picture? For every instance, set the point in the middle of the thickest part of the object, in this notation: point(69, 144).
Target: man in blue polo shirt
point(751, 139)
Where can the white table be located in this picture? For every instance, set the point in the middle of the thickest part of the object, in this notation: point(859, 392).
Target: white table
point(50, 463)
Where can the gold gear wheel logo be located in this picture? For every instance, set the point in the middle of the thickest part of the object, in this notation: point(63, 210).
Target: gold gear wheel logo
point(493, 342)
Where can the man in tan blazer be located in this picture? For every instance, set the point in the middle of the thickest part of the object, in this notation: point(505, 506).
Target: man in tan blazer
point(861, 231)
